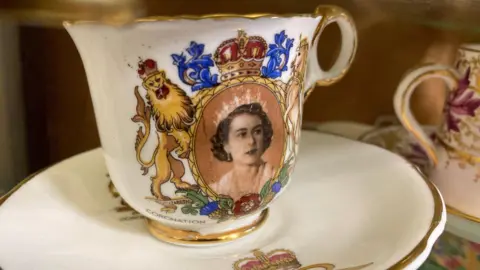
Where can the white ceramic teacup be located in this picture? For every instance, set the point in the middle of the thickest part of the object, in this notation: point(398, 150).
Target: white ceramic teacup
point(199, 117)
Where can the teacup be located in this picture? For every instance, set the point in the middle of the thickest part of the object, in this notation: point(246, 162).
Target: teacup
point(199, 117)
point(456, 151)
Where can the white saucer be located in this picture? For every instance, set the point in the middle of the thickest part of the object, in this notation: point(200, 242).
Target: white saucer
point(458, 224)
point(347, 129)
point(363, 206)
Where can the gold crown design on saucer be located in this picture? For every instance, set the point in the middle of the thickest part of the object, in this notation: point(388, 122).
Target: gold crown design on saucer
point(246, 98)
point(240, 56)
point(277, 259)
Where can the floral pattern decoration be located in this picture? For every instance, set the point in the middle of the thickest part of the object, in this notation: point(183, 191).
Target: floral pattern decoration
point(223, 207)
point(279, 54)
point(460, 103)
point(196, 70)
point(417, 155)
point(246, 204)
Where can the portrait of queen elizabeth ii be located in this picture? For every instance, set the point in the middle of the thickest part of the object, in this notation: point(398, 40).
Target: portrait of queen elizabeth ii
point(241, 139)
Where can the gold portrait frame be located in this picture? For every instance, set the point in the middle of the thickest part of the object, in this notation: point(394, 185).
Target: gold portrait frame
point(204, 97)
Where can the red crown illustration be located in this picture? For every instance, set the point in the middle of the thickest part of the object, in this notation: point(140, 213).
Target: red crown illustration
point(147, 68)
point(240, 56)
point(277, 259)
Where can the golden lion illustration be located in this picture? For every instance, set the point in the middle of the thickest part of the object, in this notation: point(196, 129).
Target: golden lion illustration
point(294, 89)
point(173, 114)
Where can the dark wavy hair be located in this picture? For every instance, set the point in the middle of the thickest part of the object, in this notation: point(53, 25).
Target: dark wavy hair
point(221, 136)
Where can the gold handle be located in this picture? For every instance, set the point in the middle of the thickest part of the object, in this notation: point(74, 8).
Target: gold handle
point(402, 100)
point(315, 74)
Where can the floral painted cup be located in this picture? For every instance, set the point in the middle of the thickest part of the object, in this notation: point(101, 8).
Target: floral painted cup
point(456, 153)
point(199, 117)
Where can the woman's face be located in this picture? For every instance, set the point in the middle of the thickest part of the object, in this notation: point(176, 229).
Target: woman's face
point(245, 139)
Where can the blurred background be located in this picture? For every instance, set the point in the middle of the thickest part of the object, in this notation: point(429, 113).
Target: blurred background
point(46, 113)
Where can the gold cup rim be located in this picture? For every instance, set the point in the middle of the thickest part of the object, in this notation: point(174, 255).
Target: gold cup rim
point(186, 17)
point(122, 19)
point(454, 211)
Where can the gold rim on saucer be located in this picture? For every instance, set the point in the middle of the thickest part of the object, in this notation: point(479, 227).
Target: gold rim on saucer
point(186, 237)
point(5, 196)
point(436, 220)
point(404, 262)
point(458, 213)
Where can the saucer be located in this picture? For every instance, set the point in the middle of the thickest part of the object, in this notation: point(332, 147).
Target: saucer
point(347, 129)
point(363, 208)
point(398, 140)
point(459, 246)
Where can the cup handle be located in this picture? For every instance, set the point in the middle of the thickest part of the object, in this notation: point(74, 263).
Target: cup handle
point(403, 96)
point(315, 74)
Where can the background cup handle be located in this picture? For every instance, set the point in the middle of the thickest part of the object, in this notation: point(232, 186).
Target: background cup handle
point(403, 94)
point(315, 74)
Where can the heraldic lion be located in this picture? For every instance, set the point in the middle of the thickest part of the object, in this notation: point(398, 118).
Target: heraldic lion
point(173, 113)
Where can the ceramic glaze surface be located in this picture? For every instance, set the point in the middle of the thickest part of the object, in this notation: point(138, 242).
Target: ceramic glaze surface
point(398, 140)
point(342, 216)
point(460, 181)
point(199, 120)
point(456, 150)
point(458, 246)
